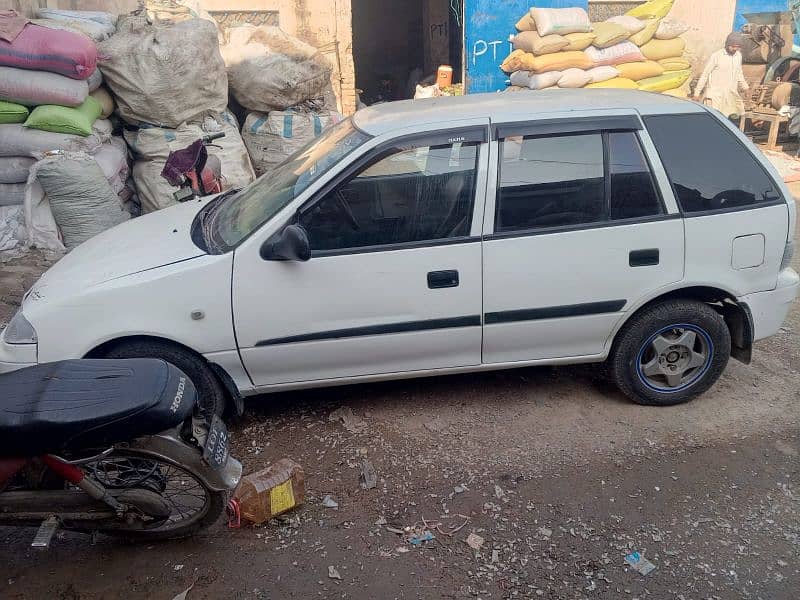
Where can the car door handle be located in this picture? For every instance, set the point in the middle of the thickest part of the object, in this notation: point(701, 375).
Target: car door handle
point(442, 279)
point(644, 258)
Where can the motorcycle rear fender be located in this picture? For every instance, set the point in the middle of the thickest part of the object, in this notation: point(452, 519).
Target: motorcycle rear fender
point(170, 447)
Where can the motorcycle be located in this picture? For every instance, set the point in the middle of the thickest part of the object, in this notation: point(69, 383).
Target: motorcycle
point(193, 170)
point(117, 447)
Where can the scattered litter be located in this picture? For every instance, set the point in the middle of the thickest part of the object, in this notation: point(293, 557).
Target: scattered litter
point(329, 502)
point(264, 495)
point(182, 595)
point(369, 478)
point(333, 573)
point(499, 493)
point(495, 556)
point(417, 540)
point(545, 532)
point(351, 422)
point(381, 521)
point(178, 567)
point(402, 550)
point(436, 425)
point(640, 563)
point(475, 541)
point(459, 489)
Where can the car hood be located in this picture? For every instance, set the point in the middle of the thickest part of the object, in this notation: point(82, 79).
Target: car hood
point(141, 244)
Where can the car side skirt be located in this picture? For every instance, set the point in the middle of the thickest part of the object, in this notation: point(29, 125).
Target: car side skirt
point(302, 385)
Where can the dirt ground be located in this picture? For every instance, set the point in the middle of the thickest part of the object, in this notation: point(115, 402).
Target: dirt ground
point(553, 468)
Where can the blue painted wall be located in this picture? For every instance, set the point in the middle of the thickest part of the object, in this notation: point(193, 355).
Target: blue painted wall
point(753, 6)
point(744, 7)
point(487, 25)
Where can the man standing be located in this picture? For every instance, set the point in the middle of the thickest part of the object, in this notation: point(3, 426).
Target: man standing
point(723, 77)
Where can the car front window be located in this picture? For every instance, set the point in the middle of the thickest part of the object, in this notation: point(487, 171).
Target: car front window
point(236, 217)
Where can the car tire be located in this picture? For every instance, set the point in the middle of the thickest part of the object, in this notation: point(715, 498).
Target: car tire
point(211, 394)
point(670, 353)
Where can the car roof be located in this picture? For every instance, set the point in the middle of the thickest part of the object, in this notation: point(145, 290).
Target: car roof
point(510, 107)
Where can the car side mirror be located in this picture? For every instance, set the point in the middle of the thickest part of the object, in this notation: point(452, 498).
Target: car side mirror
point(291, 244)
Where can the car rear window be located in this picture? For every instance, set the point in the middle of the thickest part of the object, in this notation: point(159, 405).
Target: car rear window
point(710, 169)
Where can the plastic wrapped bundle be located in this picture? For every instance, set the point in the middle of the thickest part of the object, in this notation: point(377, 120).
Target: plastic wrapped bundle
point(81, 199)
point(271, 70)
point(165, 74)
point(32, 88)
point(57, 51)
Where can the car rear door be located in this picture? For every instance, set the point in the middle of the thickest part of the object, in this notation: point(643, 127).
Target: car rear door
point(395, 282)
point(737, 220)
point(580, 226)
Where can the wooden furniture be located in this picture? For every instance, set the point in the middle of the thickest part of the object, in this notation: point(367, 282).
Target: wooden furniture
point(774, 120)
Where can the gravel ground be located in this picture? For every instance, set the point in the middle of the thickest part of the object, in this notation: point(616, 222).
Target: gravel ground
point(552, 468)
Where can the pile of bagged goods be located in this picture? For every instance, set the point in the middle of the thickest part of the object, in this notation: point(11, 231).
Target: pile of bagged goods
point(92, 105)
point(59, 162)
point(562, 48)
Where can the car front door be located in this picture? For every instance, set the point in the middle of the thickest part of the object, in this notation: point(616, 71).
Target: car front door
point(577, 230)
point(394, 283)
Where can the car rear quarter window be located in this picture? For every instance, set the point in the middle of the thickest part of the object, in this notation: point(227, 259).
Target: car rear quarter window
point(633, 192)
point(709, 168)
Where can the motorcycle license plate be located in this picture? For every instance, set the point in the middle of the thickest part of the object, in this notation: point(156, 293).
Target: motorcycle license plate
point(217, 446)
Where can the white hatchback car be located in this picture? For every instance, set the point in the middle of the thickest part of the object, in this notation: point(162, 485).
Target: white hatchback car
point(444, 236)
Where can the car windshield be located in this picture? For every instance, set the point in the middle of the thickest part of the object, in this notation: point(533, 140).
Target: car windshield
point(232, 220)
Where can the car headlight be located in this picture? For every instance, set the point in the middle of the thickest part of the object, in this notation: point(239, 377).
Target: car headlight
point(20, 331)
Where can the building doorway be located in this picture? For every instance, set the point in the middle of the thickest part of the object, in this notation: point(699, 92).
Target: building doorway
point(400, 43)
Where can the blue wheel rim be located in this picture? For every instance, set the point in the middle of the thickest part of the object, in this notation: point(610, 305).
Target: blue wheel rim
point(663, 346)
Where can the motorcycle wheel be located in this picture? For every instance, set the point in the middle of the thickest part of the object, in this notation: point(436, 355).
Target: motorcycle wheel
point(192, 505)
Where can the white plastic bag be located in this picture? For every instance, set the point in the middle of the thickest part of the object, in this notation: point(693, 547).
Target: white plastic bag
point(32, 88)
point(14, 169)
point(12, 194)
point(41, 229)
point(165, 73)
point(16, 140)
point(599, 74)
point(151, 148)
point(12, 230)
point(574, 78)
point(535, 82)
point(631, 24)
point(271, 70)
point(81, 200)
point(669, 29)
point(272, 138)
point(561, 20)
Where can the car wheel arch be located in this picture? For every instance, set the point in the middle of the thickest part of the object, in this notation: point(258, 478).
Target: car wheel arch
point(736, 314)
point(235, 401)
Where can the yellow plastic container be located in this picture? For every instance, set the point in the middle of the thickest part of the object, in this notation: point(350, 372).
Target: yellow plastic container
point(271, 492)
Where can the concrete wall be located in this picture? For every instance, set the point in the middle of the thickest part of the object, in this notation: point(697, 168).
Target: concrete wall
point(711, 21)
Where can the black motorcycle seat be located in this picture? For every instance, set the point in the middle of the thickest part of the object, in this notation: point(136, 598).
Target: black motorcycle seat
point(81, 404)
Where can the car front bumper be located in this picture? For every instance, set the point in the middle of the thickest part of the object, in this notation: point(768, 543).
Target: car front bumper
point(770, 309)
point(16, 356)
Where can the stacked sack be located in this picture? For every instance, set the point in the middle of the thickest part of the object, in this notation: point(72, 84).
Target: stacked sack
point(285, 85)
point(168, 78)
point(50, 101)
point(562, 48)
